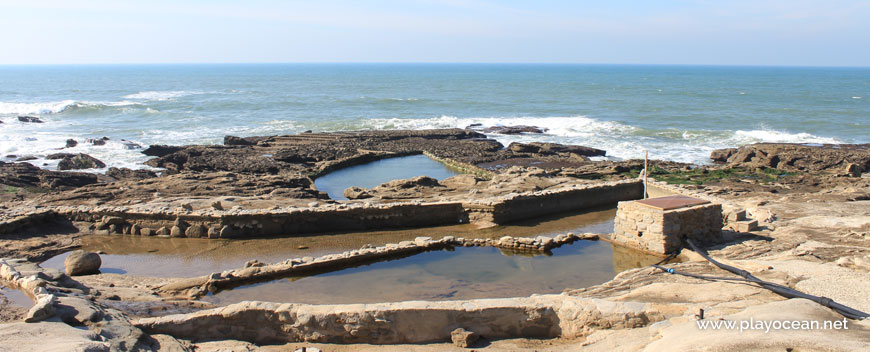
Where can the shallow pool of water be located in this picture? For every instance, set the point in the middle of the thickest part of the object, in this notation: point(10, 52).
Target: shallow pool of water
point(461, 273)
point(188, 257)
point(377, 172)
point(16, 298)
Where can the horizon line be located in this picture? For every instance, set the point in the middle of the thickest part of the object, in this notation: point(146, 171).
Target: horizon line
point(422, 63)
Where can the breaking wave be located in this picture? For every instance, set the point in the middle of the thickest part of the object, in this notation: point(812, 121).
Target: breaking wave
point(54, 107)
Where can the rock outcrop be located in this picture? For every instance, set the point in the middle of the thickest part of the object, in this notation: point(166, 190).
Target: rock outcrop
point(128, 174)
point(518, 129)
point(27, 175)
point(797, 157)
point(548, 149)
point(76, 161)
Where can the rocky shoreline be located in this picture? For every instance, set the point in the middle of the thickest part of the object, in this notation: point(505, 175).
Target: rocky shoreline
point(809, 205)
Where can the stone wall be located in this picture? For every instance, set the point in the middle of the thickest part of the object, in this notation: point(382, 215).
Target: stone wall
point(264, 223)
point(653, 230)
point(541, 203)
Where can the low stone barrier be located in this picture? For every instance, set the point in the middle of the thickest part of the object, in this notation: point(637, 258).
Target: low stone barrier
point(533, 204)
point(265, 222)
point(540, 316)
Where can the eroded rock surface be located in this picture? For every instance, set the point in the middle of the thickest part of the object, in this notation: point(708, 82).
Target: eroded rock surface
point(797, 157)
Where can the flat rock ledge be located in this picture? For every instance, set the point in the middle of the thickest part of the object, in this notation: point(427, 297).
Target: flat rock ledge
point(543, 316)
point(255, 271)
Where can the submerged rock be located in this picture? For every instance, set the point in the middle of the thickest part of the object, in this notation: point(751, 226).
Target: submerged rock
point(518, 129)
point(30, 119)
point(80, 262)
point(71, 143)
point(97, 141)
point(130, 145)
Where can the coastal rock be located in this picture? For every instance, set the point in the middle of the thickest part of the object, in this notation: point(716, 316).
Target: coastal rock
point(163, 232)
point(128, 174)
point(97, 141)
point(71, 143)
point(356, 193)
point(76, 161)
point(463, 338)
point(42, 310)
point(517, 129)
point(419, 181)
point(196, 231)
point(555, 149)
point(130, 145)
point(217, 158)
point(227, 232)
point(29, 119)
point(159, 150)
point(80, 262)
point(853, 170)
point(27, 175)
point(722, 155)
point(233, 140)
point(176, 231)
point(797, 157)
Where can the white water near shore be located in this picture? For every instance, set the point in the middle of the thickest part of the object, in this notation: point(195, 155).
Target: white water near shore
point(677, 113)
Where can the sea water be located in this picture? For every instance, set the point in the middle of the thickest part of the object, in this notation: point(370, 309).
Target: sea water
point(677, 113)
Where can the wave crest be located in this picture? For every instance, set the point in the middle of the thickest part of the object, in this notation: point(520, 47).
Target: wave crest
point(161, 95)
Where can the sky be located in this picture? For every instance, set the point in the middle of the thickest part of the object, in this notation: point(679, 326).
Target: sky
point(736, 32)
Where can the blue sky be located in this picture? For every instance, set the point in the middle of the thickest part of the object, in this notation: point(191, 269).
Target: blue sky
point(796, 32)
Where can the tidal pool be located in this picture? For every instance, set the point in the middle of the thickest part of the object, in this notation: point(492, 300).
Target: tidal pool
point(459, 273)
point(188, 257)
point(377, 172)
point(16, 297)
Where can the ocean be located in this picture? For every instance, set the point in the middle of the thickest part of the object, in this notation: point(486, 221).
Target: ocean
point(678, 113)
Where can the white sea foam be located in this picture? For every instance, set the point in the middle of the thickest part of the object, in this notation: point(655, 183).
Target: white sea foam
point(621, 141)
point(161, 95)
point(54, 107)
point(10, 108)
point(772, 136)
